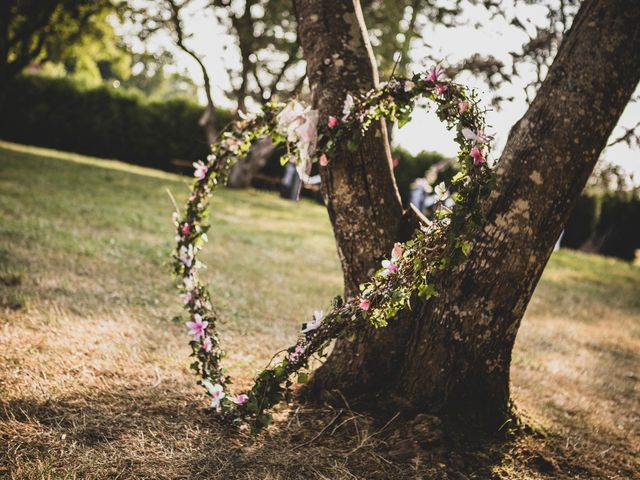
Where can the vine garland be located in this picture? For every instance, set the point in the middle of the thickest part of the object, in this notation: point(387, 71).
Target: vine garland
point(407, 275)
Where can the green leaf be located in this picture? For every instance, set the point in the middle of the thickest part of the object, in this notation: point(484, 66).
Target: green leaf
point(426, 291)
point(303, 377)
point(403, 120)
point(458, 177)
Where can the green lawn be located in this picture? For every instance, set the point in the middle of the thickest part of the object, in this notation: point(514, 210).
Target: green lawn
point(92, 236)
point(94, 379)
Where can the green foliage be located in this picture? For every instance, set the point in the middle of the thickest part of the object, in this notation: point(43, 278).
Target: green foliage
point(104, 122)
point(582, 222)
point(619, 226)
point(77, 31)
point(608, 223)
point(93, 44)
point(150, 76)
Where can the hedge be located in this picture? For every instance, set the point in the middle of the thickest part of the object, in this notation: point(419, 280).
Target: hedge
point(111, 123)
point(605, 223)
point(409, 167)
point(103, 121)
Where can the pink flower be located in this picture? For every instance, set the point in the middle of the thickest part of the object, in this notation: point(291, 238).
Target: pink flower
point(324, 161)
point(365, 303)
point(207, 344)
point(186, 229)
point(441, 89)
point(332, 122)
point(389, 267)
point(478, 157)
point(463, 106)
point(240, 399)
point(200, 169)
point(396, 253)
point(295, 355)
point(396, 162)
point(185, 297)
point(198, 327)
point(434, 74)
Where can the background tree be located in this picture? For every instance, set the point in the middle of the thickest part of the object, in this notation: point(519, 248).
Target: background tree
point(208, 119)
point(453, 353)
point(151, 74)
point(269, 57)
point(48, 30)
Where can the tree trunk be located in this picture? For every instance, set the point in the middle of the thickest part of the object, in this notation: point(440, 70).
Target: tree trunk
point(208, 123)
point(243, 171)
point(455, 354)
point(358, 187)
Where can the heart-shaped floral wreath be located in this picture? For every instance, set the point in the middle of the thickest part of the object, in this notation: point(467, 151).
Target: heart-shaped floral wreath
point(409, 273)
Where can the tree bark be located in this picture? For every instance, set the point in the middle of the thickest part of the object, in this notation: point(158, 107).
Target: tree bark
point(454, 355)
point(358, 187)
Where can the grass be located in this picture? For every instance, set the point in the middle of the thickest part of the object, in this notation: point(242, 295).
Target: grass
point(94, 379)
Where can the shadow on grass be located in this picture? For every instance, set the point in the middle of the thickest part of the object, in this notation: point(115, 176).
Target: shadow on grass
point(134, 432)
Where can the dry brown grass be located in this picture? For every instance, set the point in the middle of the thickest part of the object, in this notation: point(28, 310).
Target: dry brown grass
point(94, 379)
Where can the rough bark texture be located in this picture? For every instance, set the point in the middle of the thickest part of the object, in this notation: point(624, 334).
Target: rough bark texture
point(358, 188)
point(456, 352)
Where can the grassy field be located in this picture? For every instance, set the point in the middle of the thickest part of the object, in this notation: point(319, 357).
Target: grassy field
point(94, 379)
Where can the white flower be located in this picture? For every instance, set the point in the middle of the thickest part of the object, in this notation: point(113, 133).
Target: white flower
point(191, 282)
point(200, 169)
point(186, 255)
point(300, 125)
point(441, 192)
point(347, 107)
point(307, 134)
point(409, 85)
point(318, 315)
point(232, 144)
point(216, 391)
point(289, 119)
point(246, 115)
point(478, 138)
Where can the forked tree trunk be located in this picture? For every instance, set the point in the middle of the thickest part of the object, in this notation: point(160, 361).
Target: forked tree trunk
point(454, 354)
